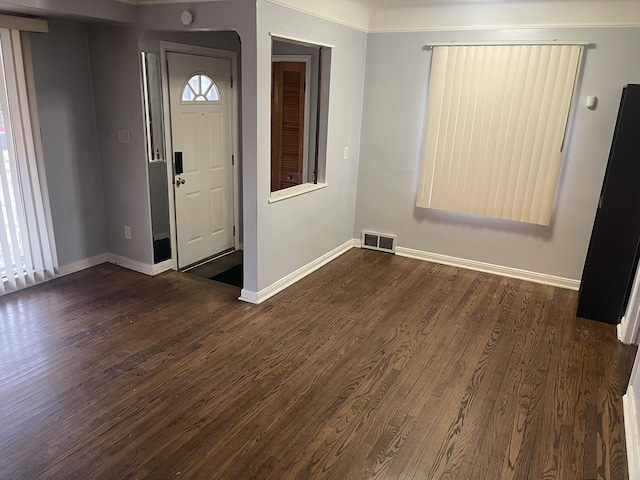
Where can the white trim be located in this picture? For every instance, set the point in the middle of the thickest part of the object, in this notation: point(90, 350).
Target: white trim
point(116, 260)
point(506, 43)
point(146, 107)
point(632, 420)
point(280, 285)
point(295, 191)
point(475, 28)
point(632, 432)
point(82, 264)
point(627, 332)
point(510, 272)
point(161, 267)
point(301, 41)
point(134, 265)
point(24, 23)
point(630, 324)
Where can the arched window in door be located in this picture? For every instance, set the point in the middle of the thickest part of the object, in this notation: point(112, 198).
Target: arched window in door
point(200, 88)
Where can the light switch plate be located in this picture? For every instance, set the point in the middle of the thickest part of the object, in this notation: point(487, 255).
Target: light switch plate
point(346, 153)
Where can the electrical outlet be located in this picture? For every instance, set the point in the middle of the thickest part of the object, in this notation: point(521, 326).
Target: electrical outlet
point(127, 232)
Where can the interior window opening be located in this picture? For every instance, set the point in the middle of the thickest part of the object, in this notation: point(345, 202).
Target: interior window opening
point(299, 113)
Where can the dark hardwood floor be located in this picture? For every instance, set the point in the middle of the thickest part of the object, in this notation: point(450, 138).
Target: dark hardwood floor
point(375, 366)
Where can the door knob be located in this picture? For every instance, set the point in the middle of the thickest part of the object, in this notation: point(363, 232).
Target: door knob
point(180, 181)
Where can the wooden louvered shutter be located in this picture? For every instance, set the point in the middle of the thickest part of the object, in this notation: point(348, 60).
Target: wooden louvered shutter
point(287, 124)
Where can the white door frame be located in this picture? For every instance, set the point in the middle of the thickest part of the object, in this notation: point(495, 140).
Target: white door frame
point(629, 326)
point(166, 47)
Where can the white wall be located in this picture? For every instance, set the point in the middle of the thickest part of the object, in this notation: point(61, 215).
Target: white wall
point(67, 120)
point(504, 14)
point(299, 230)
point(352, 13)
point(395, 99)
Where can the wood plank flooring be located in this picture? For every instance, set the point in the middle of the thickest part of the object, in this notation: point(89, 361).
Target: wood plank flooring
point(375, 366)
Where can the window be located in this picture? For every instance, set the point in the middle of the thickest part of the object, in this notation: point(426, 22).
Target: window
point(27, 250)
point(200, 88)
point(495, 129)
point(299, 116)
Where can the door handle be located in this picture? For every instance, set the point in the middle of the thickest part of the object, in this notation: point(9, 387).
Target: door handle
point(180, 181)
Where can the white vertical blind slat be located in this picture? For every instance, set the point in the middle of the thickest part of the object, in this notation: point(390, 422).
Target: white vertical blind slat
point(474, 137)
point(15, 273)
point(509, 160)
point(552, 105)
point(31, 229)
point(20, 186)
point(469, 107)
point(496, 120)
point(573, 57)
point(430, 142)
point(32, 190)
point(6, 219)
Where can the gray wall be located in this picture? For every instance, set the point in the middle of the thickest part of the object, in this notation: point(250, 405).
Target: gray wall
point(393, 122)
point(298, 230)
point(116, 69)
point(67, 121)
point(77, 10)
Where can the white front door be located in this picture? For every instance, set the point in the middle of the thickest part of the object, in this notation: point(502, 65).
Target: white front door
point(201, 129)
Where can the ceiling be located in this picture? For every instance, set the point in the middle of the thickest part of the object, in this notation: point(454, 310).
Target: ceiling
point(420, 15)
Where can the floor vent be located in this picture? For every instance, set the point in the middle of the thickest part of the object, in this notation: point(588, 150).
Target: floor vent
point(379, 241)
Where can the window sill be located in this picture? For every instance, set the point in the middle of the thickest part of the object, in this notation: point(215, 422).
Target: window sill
point(295, 191)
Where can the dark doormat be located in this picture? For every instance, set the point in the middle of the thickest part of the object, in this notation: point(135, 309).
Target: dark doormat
point(161, 250)
point(233, 276)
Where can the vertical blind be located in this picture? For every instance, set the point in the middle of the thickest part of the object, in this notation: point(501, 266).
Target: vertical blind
point(495, 126)
point(27, 250)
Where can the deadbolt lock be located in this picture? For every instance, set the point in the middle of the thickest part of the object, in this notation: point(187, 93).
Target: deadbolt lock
point(180, 181)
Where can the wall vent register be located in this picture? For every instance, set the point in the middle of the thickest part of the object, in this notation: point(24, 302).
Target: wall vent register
point(379, 241)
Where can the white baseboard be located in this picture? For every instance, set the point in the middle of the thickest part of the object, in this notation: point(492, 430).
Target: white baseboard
point(134, 265)
point(250, 297)
point(510, 272)
point(271, 290)
point(626, 331)
point(82, 264)
point(632, 432)
point(117, 260)
point(161, 267)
